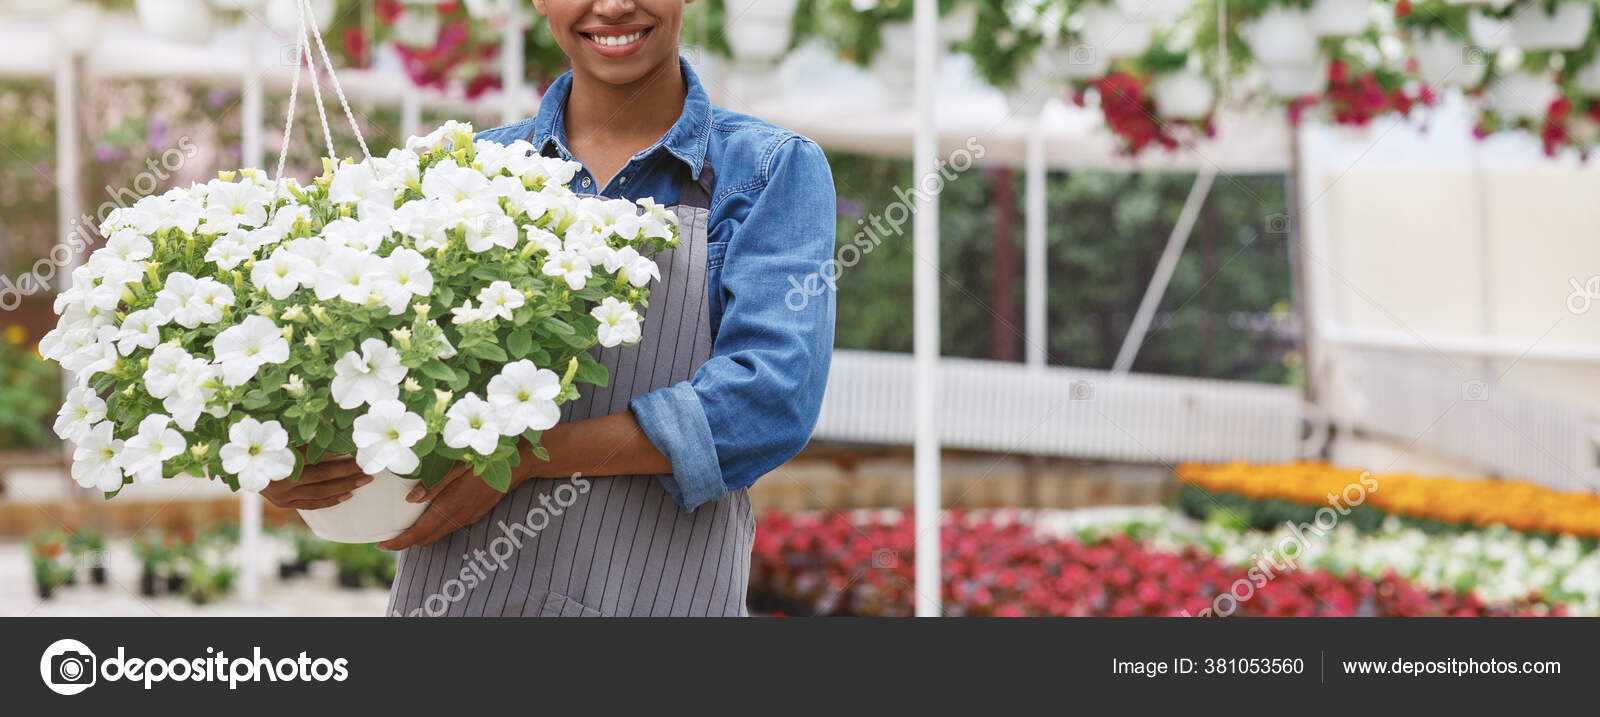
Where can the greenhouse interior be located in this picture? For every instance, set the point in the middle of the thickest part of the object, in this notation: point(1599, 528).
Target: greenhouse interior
point(1144, 307)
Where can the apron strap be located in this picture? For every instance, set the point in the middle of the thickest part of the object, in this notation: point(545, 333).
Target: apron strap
point(697, 193)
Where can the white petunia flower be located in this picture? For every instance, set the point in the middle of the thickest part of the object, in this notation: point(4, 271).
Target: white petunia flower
point(164, 369)
point(619, 323)
point(283, 273)
point(364, 235)
point(140, 330)
point(94, 461)
point(143, 454)
point(210, 299)
point(231, 205)
point(472, 423)
point(348, 274)
point(658, 220)
point(499, 299)
point(241, 351)
point(401, 276)
point(227, 252)
point(453, 182)
point(568, 265)
point(128, 245)
point(258, 453)
point(384, 437)
point(80, 412)
point(631, 267)
point(466, 313)
point(547, 242)
point(610, 216)
point(371, 377)
point(425, 222)
point(523, 395)
point(486, 227)
point(195, 387)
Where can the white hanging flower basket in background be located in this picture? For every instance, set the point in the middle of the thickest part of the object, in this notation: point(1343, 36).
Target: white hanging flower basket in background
point(376, 511)
point(1522, 95)
point(1490, 33)
point(282, 18)
point(1075, 61)
point(1281, 37)
point(1587, 78)
point(1565, 29)
point(1340, 18)
point(1291, 81)
point(1160, 12)
point(1183, 95)
point(1444, 60)
point(179, 20)
point(760, 33)
point(1114, 33)
point(958, 26)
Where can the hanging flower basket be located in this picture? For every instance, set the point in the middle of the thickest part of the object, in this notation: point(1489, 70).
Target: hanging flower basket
point(958, 25)
point(1112, 32)
point(1488, 31)
point(1281, 37)
point(1445, 60)
point(1340, 18)
point(1587, 79)
point(1186, 95)
point(1296, 81)
point(1522, 95)
point(178, 20)
point(281, 15)
point(1535, 28)
point(1160, 12)
point(761, 31)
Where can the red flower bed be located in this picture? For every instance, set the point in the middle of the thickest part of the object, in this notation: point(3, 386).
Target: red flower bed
point(833, 565)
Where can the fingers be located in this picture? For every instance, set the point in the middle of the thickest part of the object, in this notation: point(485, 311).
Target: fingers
point(310, 496)
point(333, 469)
point(422, 494)
point(434, 524)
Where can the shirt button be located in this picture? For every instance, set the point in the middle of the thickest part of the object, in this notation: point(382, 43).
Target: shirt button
point(585, 182)
point(622, 180)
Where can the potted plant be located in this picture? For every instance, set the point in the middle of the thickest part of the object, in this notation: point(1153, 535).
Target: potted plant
point(383, 311)
point(1339, 18)
point(46, 553)
point(153, 556)
point(1435, 35)
point(357, 564)
point(1109, 29)
point(1549, 24)
point(1180, 88)
point(307, 549)
point(89, 548)
point(179, 20)
point(1279, 33)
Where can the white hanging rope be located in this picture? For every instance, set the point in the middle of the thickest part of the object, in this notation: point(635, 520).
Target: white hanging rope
point(316, 33)
point(303, 8)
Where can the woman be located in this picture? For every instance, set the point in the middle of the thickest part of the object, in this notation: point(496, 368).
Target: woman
point(725, 386)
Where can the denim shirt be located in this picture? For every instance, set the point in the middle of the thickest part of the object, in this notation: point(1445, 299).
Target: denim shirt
point(753, 405)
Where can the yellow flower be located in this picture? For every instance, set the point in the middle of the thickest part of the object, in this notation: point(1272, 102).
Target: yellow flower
point(15, 334)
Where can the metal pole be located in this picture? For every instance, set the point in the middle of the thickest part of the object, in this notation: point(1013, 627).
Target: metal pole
point(1034, 323)
point(253, 157)
point(926, 310)
point(410, 110)
point(1164, 268)
point(69, 199)
point(511, 65)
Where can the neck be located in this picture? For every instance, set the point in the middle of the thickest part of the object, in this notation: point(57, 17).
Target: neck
point(645, 109)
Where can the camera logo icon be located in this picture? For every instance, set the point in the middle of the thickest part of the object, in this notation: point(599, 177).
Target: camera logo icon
point(68, 667)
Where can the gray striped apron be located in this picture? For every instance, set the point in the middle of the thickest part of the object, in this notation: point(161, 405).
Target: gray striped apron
point(604, 546)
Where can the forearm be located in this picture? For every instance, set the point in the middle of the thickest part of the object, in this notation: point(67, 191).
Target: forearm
point(605, 446)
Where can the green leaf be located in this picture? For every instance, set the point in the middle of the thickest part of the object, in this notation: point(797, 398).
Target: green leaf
point(255, 400)
point(433, 468)
point(489, 352)
point(591, 371)
point(308, 426)
point(520, 343)
point(437, 371)
point(558, 327)
point(498, 476)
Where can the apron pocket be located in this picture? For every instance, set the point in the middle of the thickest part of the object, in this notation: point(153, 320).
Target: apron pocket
point(558, 605)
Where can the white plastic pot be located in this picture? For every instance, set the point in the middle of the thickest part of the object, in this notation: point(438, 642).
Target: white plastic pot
point(1293, 81)
point(376, 511)
point(1075, 61)
point(179, 20)
point(1183, 95)
point(1281, 36)
point(1160, 12)
point(1443, 60)
point(283, 18)
point(895, 64)
point(761, 31)
point(1113, 32)
point(1587, 78)
point(1340, 18)
point(959, 25)
point(1522, 95)
point(1565, 29)
point(1488, 32)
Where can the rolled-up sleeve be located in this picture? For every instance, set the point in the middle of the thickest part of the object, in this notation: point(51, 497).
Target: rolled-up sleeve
point(753, 405)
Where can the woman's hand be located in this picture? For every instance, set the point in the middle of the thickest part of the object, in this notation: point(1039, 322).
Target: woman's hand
point(459, 500)
point(324, 484)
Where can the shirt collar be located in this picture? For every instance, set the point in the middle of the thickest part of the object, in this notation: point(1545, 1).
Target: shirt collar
point(686, 140)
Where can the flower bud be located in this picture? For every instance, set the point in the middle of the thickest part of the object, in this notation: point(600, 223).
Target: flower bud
point(311, 342)
point(441, 399)
point(402, 336)
point(411, 385)
point(319, 312)
point(199, 451)
point(294, 386)
point(295, 313)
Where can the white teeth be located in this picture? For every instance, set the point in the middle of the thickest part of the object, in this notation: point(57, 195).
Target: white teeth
point(617, 40)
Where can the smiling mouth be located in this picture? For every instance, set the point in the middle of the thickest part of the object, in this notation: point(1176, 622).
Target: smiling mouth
point(616, 40)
